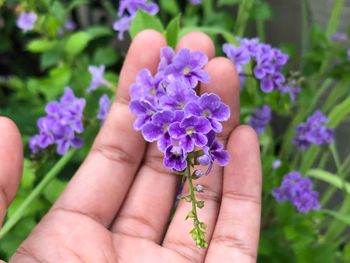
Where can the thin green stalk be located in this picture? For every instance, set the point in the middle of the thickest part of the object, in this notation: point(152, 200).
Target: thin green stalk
point(198, 231)
point(334, 19)
point(207, 9)
point(305, 27)
point(260, 28)
point(36, 192)
point(242, 17)
point(336, 228)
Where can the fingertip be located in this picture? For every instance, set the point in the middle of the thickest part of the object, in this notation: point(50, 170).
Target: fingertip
point(197, 41)
point(11, 157)
point(144, 52)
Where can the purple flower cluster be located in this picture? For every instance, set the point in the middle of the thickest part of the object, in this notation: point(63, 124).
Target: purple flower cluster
point(170, 112)
point(26, 21)
point(298, 191)
point(260, 118)
point(267, 62)
point(64, 120)
point(313, 131)
point(127, 11)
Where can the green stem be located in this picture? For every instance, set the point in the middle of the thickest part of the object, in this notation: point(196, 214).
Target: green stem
point(207, 9)
point(335, 17)
point(36, 192)
point(242, 17)
point(198, 232)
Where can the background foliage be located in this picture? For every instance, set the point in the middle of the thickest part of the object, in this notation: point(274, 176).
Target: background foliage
point(36, 66)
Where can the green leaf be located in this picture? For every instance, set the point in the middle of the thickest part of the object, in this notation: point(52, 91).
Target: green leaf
point(40, 45)
point(172, 31)
point(229, 2)
point(170, 6)
point(75, 3)
point(144, 21)
point(210, 30)
point(53, 190)
point(99, 31)
point(329, 178)
point(339, 216)
point(105, 56)
point(339, 112)
point(77, 42)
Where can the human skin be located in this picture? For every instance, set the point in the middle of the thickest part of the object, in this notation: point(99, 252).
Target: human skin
point(117, 206)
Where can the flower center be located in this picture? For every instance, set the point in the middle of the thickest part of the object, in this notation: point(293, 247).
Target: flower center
point(189, 130)
point(153, 91)
point(206, 113)
point(186, 70)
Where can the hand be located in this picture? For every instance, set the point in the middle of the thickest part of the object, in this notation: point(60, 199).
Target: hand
point(117, 206)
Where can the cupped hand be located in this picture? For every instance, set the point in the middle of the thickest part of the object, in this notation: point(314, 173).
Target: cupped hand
point(118, 205)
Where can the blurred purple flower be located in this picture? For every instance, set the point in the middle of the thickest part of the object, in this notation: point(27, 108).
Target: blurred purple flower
point(63, 120)
point(127, 11)
point(260, 118)
point(104, 105)
point(97, 77)
point(339, 37)
point(26, 20)
point(195, 2)
point(313, 131)
point(238, 55)
point(298, 191)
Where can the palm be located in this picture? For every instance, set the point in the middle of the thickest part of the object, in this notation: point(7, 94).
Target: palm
point(117, 206)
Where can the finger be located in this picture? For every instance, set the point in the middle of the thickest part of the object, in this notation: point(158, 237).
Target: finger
point(146, 212)
point(236, 234)
point(11, 162)
point(224, 82)
point(100, 185)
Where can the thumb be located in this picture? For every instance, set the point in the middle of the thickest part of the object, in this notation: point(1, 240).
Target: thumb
point(11, 162)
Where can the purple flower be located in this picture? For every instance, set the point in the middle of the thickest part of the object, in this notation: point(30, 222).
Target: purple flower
point(239, 56)
point(339, 37)
point(104, 105)
point(144, 111)
point(190, 132)
point(63, 121)
point(298, 191)
point(147, 87)
point(188, 66)
point(313, 131)
point(211, 107)
point(272, 82)
point(132, 6)
point(175, 158)
point(122, 25)
point(127, 11)
point(260, 118)
point(293, 91)
point(26, 20)
point(178, 94)
point(214, 150)
point(158, 128)
point(166, 58)
point(97, 78)
point(68, 26)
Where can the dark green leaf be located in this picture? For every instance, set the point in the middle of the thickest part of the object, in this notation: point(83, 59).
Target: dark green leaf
point(144, 21)
point(172, 31)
